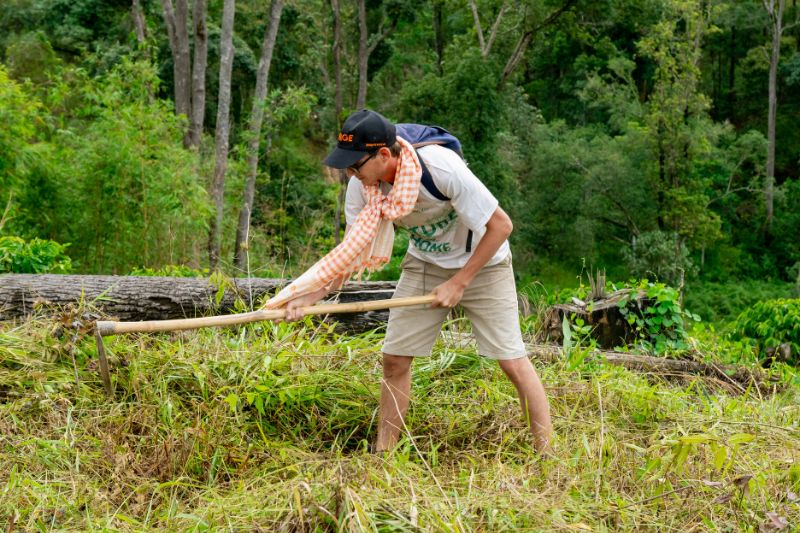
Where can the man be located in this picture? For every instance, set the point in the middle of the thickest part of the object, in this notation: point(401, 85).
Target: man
point(458, 251)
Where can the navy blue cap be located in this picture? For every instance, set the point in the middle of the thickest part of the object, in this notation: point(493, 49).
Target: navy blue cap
point(364, 132)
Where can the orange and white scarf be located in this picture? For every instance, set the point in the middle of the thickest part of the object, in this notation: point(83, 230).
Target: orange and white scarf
point(368, 244)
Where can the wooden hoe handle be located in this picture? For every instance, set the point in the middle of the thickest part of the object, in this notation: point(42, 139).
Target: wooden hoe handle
point(109, 327)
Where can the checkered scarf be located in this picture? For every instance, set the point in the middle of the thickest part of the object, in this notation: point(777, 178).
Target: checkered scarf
point(368, 244)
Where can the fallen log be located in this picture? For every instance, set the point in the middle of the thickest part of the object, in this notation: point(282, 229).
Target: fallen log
point(733, 378)
point(134, 298)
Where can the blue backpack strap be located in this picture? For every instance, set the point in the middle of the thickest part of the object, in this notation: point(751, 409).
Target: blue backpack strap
point(427, 182)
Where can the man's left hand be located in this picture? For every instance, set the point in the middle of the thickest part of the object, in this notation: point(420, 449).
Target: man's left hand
point(448, 294)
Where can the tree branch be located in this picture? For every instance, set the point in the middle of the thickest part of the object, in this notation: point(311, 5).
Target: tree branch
point(729, 192)
point(495, 26)
point(477, 25)
point(381, 35)
point(525, 39)
point(169, 22)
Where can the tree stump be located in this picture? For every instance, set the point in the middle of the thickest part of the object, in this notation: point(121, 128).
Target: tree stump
point(609, 326)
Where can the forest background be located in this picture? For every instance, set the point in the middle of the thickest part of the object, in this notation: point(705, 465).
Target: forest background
point(651, 138)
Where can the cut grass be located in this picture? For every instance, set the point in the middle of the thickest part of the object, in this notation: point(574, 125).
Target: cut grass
point(266, 427)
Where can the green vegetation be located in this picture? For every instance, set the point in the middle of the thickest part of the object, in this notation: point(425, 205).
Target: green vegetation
point(722, 302)
point(38, 256)
point(174, 271)
point(267, 426)
point(772, 323)
point(661, 326)
point(629, 136)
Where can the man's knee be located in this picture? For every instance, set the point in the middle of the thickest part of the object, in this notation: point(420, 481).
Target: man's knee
point(515, 368)
point(396, 365)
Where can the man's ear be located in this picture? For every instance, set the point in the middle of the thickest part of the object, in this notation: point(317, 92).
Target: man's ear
point(385, 153)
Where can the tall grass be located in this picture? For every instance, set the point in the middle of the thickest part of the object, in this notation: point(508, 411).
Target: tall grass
point(266, 427)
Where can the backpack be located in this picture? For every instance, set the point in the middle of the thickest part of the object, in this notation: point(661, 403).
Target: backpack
point(420, 135)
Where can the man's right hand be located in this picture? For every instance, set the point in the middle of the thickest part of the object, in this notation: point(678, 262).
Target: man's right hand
point(294, 309)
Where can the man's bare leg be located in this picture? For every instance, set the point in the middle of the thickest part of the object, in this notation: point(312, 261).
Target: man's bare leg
point(395, 393)
point(532, 399)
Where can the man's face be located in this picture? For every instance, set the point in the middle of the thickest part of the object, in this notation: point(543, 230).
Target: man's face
point(370, 169)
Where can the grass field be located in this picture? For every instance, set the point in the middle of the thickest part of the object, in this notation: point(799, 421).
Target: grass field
point(266, 428)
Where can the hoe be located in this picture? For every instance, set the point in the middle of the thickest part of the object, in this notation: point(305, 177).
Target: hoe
point(104, 328)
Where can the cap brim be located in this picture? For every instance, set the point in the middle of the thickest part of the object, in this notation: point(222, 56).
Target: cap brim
point(343, 158)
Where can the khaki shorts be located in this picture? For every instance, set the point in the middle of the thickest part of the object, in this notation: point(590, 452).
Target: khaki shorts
point(490, 302)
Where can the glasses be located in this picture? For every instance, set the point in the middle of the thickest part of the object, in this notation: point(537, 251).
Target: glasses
point(357, 167)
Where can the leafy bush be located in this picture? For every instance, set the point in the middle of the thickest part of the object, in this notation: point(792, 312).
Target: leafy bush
point(37, 256)
point(772, 323)
point(722, 302)
point(660, 254)
point(659, 326)
point(100, 164)
point(18, 113)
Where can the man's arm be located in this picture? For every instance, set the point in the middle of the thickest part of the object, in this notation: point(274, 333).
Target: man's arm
point(498, 228)
point(294, 307)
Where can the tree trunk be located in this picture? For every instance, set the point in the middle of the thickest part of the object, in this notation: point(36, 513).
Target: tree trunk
point(438, 34)
point(363, 55)
point(476, 17)
point(337, 58)
point(195, 132)
point(132, 298)
point(177, 28)
point(138, 21)
point(731, 97)
point(365, 49)
point(776, 17)
point(256, 120)
point(337, 68)
point(222, 131)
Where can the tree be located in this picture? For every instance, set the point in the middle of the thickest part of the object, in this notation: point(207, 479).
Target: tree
point(195, 132)
point(337, 58)
point(337, 105)
point(256, 121)
point(138, 21)
point(438, 33)
point(531, 27)
point(222, 131)
point(775, 9)
point(176, 20)
point(367, 44)
point(188, 75)
point(486, 45)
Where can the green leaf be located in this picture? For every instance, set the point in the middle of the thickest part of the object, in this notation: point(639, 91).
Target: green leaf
point(720, 456)
point(696, 439)
point(567, 332)
point(740, 438)
point(232, 400)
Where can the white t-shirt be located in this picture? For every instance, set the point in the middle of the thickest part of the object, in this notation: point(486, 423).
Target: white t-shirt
point(438, 229)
